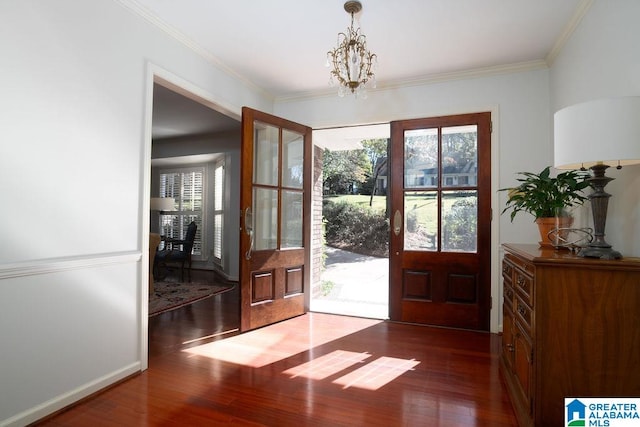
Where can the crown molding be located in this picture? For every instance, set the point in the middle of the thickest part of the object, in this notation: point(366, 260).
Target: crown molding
point(581, 11)
point(153, 19)
point(429, 79)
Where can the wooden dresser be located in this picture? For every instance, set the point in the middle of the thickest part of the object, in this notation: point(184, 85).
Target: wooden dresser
point(571, 328)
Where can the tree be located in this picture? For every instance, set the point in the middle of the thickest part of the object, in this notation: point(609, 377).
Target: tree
point(375, 149)
point(377, 153)
point(342, 169)
point(459, 149)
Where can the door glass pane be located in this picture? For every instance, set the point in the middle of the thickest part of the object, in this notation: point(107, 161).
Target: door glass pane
point(460, 156)
point(292, 159)
point(421, 220)
point(421, 158)
point(291, 219)
point(459, 221)
point(265, 218)
point(265, 145)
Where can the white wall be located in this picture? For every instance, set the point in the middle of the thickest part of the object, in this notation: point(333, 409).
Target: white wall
point(601, 60)
point(521, 140)
point(74, 166)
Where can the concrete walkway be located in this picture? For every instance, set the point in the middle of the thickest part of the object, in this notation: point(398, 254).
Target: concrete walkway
point(353, 284)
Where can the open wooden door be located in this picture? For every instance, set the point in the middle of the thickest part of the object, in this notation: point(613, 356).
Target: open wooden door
point(275, 205)
point(440, 245)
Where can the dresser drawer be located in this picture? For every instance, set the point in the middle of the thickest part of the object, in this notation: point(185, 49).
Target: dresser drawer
point(508, 295)
point(508, 292)
point(507, 270)
point(521, 264)
point(524, 284)
point(524, 314)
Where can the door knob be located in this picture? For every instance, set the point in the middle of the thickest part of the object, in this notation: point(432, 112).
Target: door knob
point(397, 223)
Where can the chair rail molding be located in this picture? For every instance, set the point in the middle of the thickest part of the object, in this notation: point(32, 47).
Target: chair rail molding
point(54, 265)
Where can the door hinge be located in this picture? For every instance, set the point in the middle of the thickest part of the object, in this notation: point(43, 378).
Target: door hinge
point(490, 303)
point(491, 126)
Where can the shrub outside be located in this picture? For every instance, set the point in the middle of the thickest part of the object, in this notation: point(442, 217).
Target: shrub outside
point(357, 229)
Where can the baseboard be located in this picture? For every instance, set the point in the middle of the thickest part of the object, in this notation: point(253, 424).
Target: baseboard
point(217, 271)
point(225, 276)
point(67, 399)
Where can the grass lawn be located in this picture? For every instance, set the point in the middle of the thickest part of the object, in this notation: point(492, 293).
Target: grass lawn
point(421, 205)
point(379, 202)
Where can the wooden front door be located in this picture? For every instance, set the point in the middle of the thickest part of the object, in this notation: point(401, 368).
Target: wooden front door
point(441, 221)
point(275, 205)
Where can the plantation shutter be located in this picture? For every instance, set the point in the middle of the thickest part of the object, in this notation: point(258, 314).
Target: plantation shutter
point(218, 212)
point(186, 186)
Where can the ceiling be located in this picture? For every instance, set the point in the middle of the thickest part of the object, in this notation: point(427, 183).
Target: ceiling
point(175, 115)
point(279, 46)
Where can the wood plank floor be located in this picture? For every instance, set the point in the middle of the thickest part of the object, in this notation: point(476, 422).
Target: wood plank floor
point(315, 370)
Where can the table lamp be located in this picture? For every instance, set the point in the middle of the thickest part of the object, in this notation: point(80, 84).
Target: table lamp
point(595, 135)
point(162, 204)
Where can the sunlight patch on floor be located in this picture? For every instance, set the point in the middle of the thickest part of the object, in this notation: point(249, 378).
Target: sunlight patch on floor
point(327, 365)
point(374, 375)
point(277, 342)
point(369, 376)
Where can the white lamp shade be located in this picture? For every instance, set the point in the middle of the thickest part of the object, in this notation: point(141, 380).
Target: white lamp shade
point(162, 203)
point(603, 131)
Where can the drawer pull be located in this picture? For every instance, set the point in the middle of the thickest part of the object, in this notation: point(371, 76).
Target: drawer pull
point(509, 293)
point(510, 348)
point(520, 280)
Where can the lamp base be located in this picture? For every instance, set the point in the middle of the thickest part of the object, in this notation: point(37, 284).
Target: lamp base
point(599, 248)
point(599, 252)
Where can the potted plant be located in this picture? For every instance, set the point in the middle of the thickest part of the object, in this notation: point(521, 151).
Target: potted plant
point(547, 198)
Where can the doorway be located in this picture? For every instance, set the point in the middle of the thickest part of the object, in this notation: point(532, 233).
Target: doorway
point(190, 137)
point(351, 222)
point(186, 131)
point(223, 136)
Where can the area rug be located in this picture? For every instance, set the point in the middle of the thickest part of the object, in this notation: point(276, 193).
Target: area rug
point(169, 295)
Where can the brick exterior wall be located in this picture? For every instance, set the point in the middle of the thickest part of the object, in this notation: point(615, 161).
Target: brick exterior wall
point(316, 221)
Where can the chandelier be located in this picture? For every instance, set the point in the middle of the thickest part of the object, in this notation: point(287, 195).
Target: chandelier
point(352, 65)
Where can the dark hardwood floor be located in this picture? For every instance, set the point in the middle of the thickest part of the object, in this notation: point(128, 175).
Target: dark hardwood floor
point(315, 370)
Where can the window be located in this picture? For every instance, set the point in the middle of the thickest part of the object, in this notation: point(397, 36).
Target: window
point(218, 211)
point(186, 186)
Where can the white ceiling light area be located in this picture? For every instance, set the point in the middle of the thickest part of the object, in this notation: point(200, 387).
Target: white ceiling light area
point(280, 46)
